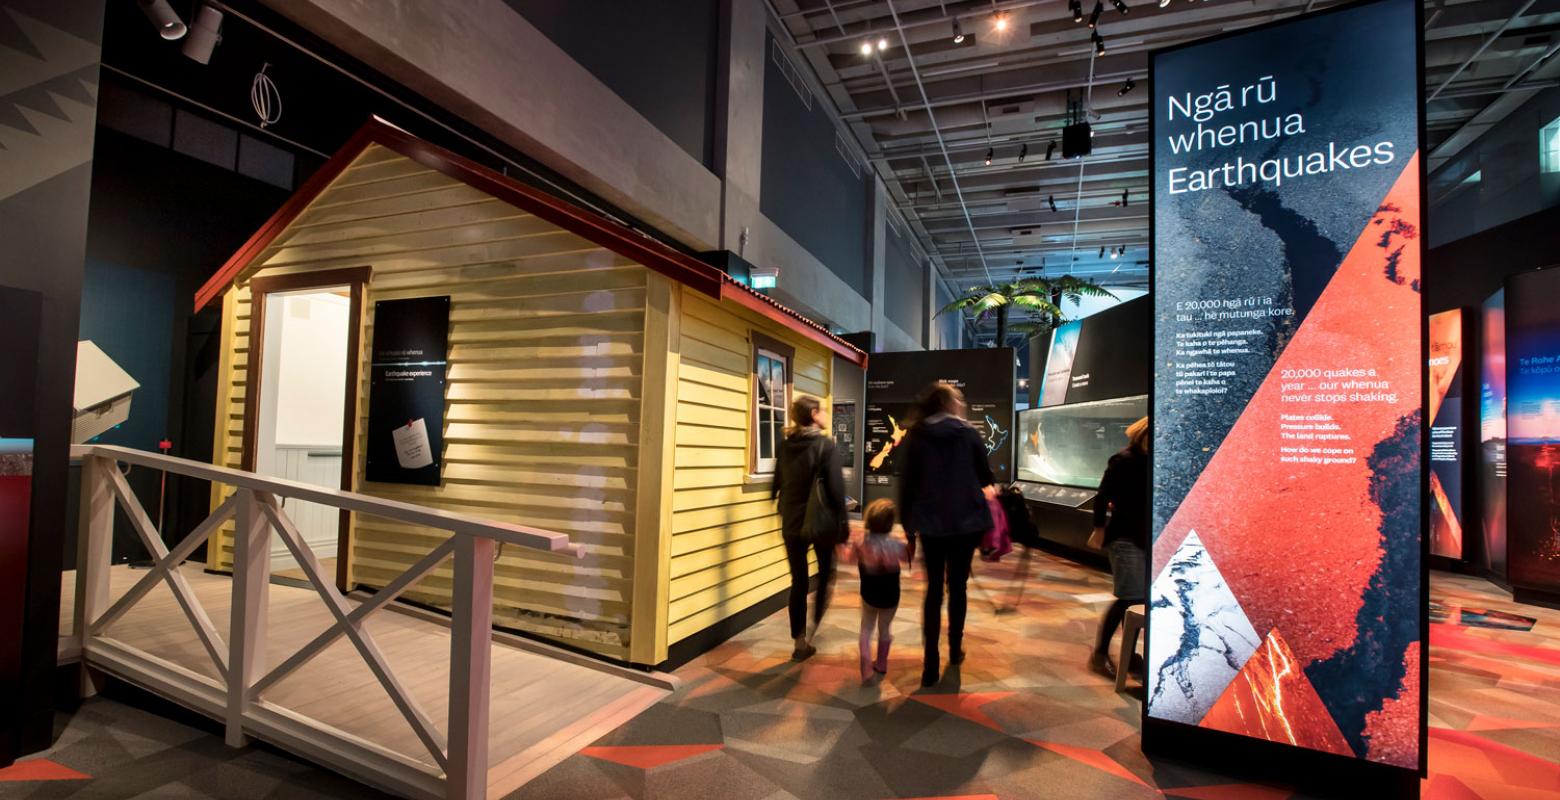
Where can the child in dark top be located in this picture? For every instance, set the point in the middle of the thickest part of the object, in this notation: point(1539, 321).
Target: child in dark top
point(878, 557)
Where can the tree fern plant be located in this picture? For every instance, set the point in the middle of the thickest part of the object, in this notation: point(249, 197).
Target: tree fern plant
point(1038, 299)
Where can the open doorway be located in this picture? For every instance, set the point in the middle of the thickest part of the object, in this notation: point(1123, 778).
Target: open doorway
point(301, 413)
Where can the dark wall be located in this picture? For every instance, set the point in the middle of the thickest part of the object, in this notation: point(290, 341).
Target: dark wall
point(658, 55)
point(1467, 271)
point(45, 179)
point(905, 284)
point(161, 224)
point(807, 187)
point(1498, 178)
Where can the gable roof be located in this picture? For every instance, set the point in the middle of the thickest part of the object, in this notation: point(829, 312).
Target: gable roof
point(589, 225)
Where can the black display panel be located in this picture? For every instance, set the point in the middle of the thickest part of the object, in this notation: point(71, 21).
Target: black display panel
point(406, 391)
point(987, 378)
point(1286, 589)
point(1099, 357)
point(1533, 430)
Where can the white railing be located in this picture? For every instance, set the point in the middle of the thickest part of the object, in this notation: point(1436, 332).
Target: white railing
point(460, 750)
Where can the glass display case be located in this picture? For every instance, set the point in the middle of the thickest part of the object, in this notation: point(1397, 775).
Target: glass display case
point(1069, 445)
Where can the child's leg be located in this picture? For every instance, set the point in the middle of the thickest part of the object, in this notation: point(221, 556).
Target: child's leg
point(885, 634)
point(869, 617)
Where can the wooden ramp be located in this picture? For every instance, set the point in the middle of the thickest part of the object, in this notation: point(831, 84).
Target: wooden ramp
point(546, 704)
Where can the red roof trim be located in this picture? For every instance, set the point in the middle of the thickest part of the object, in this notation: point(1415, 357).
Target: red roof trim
point(651, 253)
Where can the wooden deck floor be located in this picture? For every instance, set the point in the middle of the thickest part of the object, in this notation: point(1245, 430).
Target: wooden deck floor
point(545, 706)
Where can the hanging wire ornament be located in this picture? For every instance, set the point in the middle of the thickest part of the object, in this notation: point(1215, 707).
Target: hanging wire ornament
point(265, 98)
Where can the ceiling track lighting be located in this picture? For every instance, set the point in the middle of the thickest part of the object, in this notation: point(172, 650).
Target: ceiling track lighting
point(999, 21)
point(1125, 198)
point(164, 18)
point(1099, 44)
point(1102, 252)
point(1023, 151)
point(205, 33)
point(1051, 199)
point(990, 153)
point(882, 44)
point(1094, 16)
point(1050, 150)
point(1076, 6)
point(1126, 87)
point(1164, 3)
point(958, 33)
point(1113, 254)
point(1120, 6)
point(866, 49)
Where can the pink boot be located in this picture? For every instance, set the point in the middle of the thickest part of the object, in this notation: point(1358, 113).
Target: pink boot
point(881, 666)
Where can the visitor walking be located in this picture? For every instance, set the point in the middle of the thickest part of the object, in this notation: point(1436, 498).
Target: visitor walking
point(942, 505)
point(810, 485)
point(877, 560)
point(1124, 492)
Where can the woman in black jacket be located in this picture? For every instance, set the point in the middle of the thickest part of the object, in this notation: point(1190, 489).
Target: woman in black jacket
point(942, 502)
point(1124, 490)
point(808, 456)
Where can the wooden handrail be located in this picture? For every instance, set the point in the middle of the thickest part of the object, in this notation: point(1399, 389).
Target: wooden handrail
point(459, 524)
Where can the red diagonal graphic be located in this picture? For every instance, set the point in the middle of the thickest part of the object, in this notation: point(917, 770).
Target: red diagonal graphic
point(1272, 699)
point(40, 769)
point(1476, 760)
point(649, 756)
point(965, 705)
point(1457, 637)
point(1316, 525)
point(1086, 755)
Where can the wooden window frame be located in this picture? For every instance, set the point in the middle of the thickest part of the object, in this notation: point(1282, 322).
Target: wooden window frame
point(760, 342)
point(356, 280)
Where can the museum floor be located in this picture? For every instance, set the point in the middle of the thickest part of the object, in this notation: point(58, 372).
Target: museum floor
point(1022, 719)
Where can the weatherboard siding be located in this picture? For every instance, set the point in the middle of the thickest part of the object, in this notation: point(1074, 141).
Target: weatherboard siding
point(725, 549)
point(546, 359)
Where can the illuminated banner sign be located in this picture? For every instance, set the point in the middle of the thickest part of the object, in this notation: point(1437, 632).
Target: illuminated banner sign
point(1533, 431)
point(1446, 433)
point(1285, 585)
point(1492, 435)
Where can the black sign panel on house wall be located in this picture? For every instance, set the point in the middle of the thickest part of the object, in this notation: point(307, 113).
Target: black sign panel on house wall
point(406, 391)
point(987, 378)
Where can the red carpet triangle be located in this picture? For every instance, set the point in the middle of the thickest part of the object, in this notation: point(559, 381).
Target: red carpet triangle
point(40, 769)
point(649, 756)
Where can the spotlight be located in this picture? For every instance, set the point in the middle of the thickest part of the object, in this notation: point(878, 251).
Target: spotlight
point(1077, 10)
point(1123, 250)
point(1102, 252)
point(204, 34)
point(1164, 3)
point(1094, 16)
point(1051, 199)
point(866, 49)
point(1099, 44)
point(1120, 6)
point(1050, 150)
point(958, 33)
point(990, 151)
point(1126, 87)
point(882, 45)
point(1023, 151)
point(162, 15)
point(1124, 198)
point(1113, 255)
point(999, 21)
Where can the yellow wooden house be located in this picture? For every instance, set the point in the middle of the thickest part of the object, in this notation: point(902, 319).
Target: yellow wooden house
point(599, 384)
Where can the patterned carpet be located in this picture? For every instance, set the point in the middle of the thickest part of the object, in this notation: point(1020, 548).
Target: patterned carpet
point(1021, 719)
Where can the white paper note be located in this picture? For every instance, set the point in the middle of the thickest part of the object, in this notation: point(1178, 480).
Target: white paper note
point(411, 445)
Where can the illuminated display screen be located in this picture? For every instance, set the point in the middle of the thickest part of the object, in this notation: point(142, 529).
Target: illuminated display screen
point(1492, 434)
point(1533, 430)
point(1285, 581)
point(1071, 444)
point(1446, 433)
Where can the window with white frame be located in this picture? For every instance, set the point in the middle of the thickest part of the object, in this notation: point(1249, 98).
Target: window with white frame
point(1549, 147)
point(771, 399)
